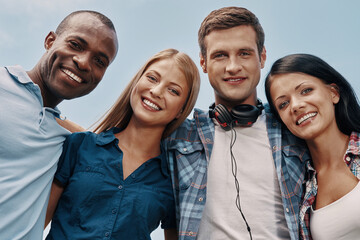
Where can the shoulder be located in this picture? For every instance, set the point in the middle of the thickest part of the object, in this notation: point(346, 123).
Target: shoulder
point(78, 137)
point(190, 128)
point(13, 75)
point(17, 72)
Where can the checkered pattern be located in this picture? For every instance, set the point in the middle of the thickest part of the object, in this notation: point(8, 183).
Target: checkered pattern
point(189, 150)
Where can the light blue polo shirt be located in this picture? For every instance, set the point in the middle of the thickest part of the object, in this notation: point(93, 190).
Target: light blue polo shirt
point(30, 146)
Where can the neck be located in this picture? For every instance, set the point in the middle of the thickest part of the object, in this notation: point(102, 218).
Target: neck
point(251, 100)
point(146, 138)
point(49, 100)
point(328, 149)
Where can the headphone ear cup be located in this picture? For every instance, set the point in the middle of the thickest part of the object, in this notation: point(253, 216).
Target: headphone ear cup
point(223, 115)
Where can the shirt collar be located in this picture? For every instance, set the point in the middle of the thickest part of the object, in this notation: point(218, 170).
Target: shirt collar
point(354, 144)
point(19, 74)
point(108, 136)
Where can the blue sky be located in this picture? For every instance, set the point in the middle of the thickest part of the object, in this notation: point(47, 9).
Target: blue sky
point(329, 29)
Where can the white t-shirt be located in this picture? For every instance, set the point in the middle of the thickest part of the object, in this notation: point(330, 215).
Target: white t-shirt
point(260, 196)
point(339, 220)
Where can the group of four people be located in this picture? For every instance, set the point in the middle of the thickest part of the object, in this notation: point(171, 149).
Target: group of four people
point(241, 170)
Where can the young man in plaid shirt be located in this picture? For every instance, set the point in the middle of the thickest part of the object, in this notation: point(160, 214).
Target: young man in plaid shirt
point(237, 172)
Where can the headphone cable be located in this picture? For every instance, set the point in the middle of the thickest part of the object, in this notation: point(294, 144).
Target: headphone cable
point(234, 172)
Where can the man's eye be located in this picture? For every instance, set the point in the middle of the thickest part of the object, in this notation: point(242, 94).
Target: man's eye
point(100, 62)
point(219, 55)
point(75, 45)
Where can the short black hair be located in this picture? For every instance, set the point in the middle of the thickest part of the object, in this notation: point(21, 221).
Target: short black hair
point(105, 20)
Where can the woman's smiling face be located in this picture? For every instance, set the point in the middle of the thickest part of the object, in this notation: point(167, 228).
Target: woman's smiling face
point(160, 94)
point(304, 103)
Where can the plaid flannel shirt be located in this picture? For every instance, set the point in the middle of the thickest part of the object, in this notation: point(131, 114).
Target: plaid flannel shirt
point(351, 158)
point(189, 150)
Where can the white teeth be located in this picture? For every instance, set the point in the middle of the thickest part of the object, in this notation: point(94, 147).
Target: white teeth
point(234, 80)
point(306, 117)
point(150, 104)
point(72, 75)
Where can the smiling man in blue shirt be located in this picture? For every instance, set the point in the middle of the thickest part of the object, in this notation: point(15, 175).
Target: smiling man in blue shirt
point(76, 58)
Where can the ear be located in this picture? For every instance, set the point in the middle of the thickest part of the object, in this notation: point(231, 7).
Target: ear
point(202, 63)
point(335, 95)
point(49, 40)
point(263, 57)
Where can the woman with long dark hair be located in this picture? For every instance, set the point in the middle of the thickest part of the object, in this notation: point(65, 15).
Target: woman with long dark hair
point(317, 104)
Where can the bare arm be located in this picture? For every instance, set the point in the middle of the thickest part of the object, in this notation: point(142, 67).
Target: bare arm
point(55, 194)
point(69, 125)
point(171, 234)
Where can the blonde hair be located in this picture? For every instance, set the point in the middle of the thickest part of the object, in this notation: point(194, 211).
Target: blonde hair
point(120, 113)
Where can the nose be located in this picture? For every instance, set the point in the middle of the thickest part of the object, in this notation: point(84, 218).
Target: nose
point(157, 91)
point(82, 61)
point(296, 105)
point(233, 65)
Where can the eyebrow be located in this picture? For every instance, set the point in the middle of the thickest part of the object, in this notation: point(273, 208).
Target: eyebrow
point(247, 49)
point(159, 75)
point(296, 88)
point(153, 71)
point(223, 50)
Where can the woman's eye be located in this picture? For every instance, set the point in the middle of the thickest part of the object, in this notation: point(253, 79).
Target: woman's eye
point(283, 104)
point(152, 78)
point(306, 90)
point(174, 91)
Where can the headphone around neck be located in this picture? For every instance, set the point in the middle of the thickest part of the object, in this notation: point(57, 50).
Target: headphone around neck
point(243, 115)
